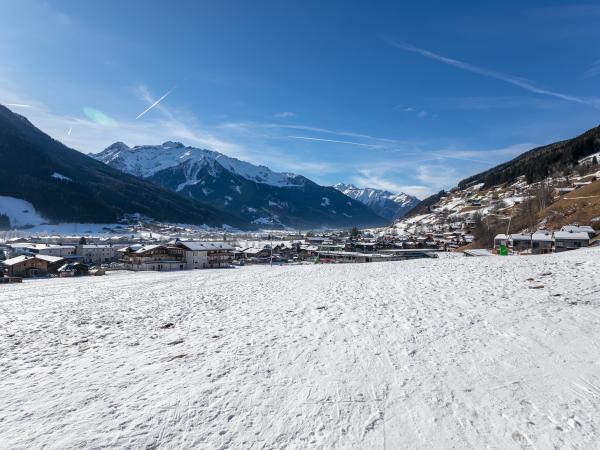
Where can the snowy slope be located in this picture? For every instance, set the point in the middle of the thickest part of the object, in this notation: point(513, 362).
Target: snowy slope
point(498, 353)
point(146, 160)
point(20, 213)
point(386, 204)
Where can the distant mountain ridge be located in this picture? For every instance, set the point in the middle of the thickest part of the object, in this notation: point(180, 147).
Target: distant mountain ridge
point(256, 193)
point(534, 165)
point(65, 185)
point(540, 162)
point(384, 203)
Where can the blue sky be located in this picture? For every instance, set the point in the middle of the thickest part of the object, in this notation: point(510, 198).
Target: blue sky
point(407, 96)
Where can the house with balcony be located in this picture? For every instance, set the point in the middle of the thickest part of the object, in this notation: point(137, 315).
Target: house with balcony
point(160, 258)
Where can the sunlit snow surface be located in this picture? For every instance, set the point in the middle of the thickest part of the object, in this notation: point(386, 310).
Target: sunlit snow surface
point(449, 353)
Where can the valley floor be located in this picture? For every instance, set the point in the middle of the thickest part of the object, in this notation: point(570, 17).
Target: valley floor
point(450, 353)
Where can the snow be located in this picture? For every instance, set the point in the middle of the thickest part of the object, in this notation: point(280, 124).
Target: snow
point(371, 196)
point(146, 160)
point(325, 202)
point(20, 212)
point(60, 177)
point(497, 352)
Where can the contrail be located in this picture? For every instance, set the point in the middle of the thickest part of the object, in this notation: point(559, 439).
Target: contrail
point(18, 105)
point(331, 140)
point(69, 132)
point(516, 81)
point(155, 103)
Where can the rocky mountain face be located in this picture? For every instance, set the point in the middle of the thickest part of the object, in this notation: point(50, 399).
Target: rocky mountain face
point(383, 203)
point(256, 193)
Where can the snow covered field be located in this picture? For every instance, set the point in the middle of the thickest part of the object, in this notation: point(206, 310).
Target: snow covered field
point(449, 353)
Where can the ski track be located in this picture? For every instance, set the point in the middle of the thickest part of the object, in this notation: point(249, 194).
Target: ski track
point(449, 353)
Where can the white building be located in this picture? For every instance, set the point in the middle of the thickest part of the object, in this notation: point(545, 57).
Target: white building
point(205, 255)
point(579, 229)
point(564, 240)
point(96, 253)
point(27, 248)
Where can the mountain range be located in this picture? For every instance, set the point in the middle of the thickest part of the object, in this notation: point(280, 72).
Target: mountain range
point(65, 185)
point(384, 203)
point(257, 194)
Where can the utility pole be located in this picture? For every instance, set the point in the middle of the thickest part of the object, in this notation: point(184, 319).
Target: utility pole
point(271, 260)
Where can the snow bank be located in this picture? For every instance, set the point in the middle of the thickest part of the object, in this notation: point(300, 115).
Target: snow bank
point(450, 353)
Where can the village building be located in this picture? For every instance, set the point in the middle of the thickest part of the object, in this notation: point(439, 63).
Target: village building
point(28, 248)
point(96, 253)
point(520, 242)
point(161, 258)
point(500, 240)
point(579, 229)
point(25, 266)
point(564, 240)
point(541, 243)
point(206, 255)
point(75, 269)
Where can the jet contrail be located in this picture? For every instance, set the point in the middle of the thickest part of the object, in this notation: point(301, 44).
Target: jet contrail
point(306, 138)
point(69, 132)
point(18, 105)
point(155, 103)
point(520, 82)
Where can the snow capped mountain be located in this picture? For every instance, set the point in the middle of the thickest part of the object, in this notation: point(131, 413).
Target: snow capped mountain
point(255, 193)
point(384, 203)
point(146, 160)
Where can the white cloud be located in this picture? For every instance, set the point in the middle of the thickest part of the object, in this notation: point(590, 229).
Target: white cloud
point(593, 70)
point(285, 115)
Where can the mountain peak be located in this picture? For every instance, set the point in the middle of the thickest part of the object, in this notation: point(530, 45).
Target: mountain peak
point(148, 160)
point(385, 203)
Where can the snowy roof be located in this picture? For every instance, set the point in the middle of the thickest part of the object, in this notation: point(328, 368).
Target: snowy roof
point(205, 246)
point(520, 237)
point(50, 259)
point(15, 260)
point(20, 259)
point(96, 246)
point(253, 250)
point(574, 236)
point(578, 229)
point(501, 236)
point(146, 248)
point(541, 237)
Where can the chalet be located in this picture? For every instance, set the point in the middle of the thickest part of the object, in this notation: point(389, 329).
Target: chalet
point(564, 240)
point(206, 255)
point(154, 257)
point(520, 242)
point(32, 266)
point(541, 242)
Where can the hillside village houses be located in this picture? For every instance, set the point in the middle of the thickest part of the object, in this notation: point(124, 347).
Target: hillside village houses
point(569, 237)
